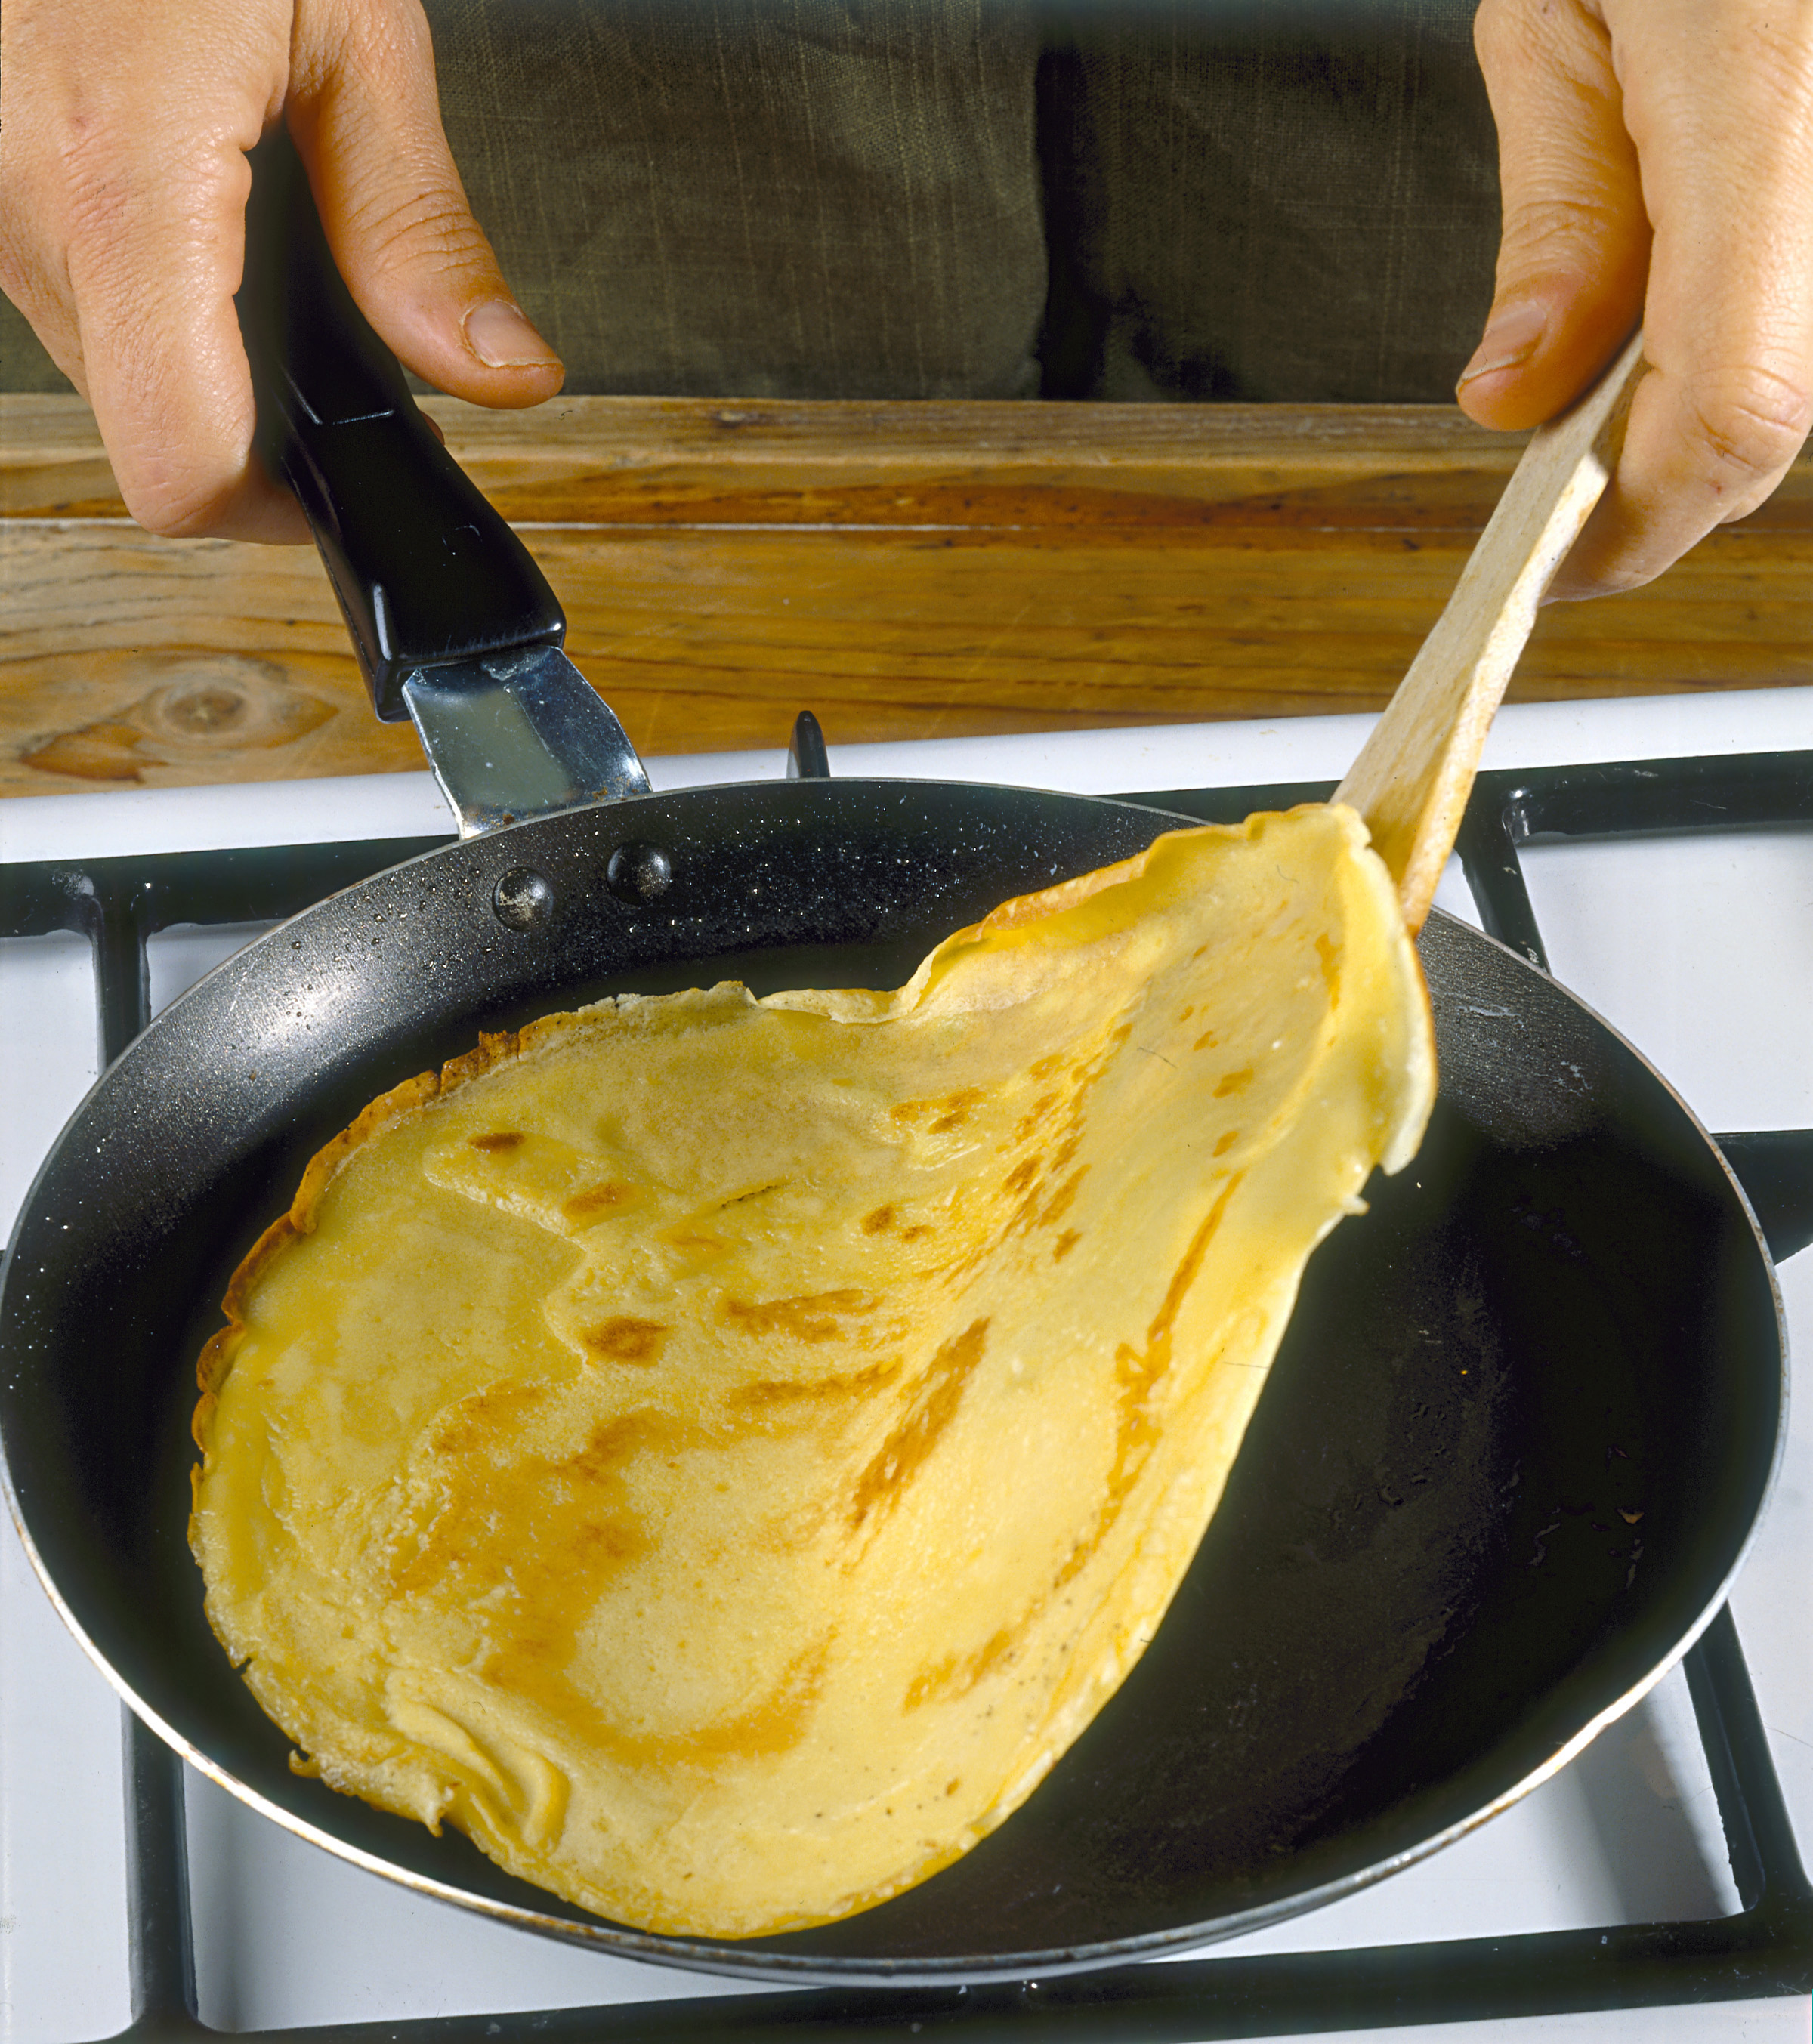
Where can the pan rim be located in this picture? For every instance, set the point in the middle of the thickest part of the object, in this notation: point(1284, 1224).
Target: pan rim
point(749, 1960)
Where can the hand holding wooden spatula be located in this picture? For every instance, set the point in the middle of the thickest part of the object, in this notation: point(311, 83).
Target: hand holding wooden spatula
point(1413, 775)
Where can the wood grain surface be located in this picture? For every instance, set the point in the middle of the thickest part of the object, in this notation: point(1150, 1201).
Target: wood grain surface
point(905, 570)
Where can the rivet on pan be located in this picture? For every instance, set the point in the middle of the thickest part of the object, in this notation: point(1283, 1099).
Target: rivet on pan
point(637, 873)
point(524, 899)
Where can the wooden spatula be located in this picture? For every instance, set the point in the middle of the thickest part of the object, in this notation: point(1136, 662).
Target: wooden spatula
point(1413, 775)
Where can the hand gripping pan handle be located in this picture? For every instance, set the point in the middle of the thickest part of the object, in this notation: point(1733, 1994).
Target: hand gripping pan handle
point(454, 624)
point(426, 572)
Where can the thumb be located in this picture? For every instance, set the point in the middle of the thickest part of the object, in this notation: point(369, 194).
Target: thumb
point(1575, 249)
point(366, 123)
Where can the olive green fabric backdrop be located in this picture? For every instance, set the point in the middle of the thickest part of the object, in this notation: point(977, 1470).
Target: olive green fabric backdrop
point(1261, 199)
point(760, 197)
point(1278, 199)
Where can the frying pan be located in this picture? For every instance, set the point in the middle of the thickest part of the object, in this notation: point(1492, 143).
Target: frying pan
point(1510, 1456)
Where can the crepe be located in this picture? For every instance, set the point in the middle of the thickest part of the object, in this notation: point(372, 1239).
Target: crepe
point(720, 1453)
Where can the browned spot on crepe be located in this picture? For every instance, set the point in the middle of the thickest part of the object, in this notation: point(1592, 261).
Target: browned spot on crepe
point(794, 1391)
point(584, 1207)
point(819, 1317)
point(627, 1340)
point(905, 1449)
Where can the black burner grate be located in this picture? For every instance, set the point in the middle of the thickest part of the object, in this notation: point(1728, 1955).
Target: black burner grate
point(1767, 1948)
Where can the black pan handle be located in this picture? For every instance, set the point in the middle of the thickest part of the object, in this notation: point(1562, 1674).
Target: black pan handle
point(426, 572)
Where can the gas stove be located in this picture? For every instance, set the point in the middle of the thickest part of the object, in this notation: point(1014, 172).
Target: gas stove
point(1609, 1904)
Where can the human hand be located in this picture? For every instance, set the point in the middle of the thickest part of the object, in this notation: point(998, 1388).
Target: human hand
point(124, 125)
point(1657, 163)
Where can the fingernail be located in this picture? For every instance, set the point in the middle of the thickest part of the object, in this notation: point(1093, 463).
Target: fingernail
point(502, 339)
point(1512, 337)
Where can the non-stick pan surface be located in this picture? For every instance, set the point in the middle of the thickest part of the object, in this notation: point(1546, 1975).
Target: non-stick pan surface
point(1511, 1450)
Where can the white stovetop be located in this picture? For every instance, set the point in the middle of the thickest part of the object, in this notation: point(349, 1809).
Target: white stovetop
point(1700, 950)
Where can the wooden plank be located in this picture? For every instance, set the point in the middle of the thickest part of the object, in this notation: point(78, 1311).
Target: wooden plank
point(905, 570)
point(661, 461)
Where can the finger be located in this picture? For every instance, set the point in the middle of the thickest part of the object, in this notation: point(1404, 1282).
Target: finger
point(1576, 239)
point(125, 183)
point(31, 272)
point(47, 309)
point(1722, 110)
point(164, 364)
point(367, 122)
